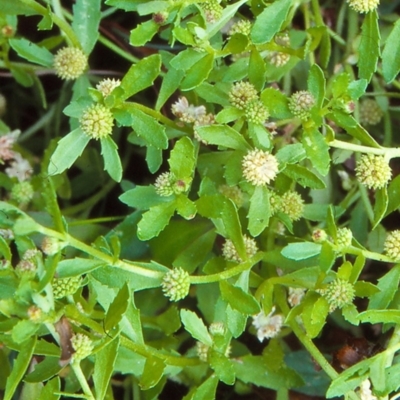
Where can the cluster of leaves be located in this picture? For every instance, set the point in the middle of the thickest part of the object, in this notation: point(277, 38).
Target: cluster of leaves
point(107, 285)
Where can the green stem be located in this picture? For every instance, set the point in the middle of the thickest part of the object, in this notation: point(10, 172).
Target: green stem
point(76, 367)
point(382, 151)
point(61, 23)
point(195, 280)
point(367, 204)
point(118, 50)
point(317, 13)
point(147, 351)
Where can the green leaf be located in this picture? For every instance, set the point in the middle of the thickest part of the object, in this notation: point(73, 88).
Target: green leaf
point(291, 154)
point(182, 159)
point(195, 326)
point(142, 197)
point(77, 266)
point(16, 7)
point(86, 23)
point(392, 378)
point(388, 286)
point(154, 158)
point(353, 128)
point(259, 211)
point(152, 373)
point(143, 33)
point(170, 83)
point(185, 207)
point(222, 366)
point(303, 176)
point(316, 84)
point(317, 150)
point(327, 257)
point(380, 316)
point(32, 52)
point(270, 21)
point(259, 135)
point(112, 162)
point(198, 73)
point(45, 370)
point(380, 206)
point(69, 148)
point(49, 392)
point(301, 251)
point(155, 220)
point(141, 75)
point(117, 308)
point(393, 195)
point(104, 367)
point(257, 69)
point(223, 135)
point(19, 368)
point(5, 249)
point(276, 102)
point(238, 299)
point(236, 321)
point(369, 49)
point(206, 391)
point(315, 312)
point(24, 330)
point(391, 54)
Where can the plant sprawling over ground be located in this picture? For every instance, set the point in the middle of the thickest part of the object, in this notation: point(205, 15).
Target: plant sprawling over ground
point(199, 199)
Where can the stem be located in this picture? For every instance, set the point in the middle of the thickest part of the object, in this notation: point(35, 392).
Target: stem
point(75, 365)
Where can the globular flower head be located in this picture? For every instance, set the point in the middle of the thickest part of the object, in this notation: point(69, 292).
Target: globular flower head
point(82, 345)
point(259, 167)
point(164, 184)
point(344, 238)
point(51, 245)
point(295, 296)
point(106, 86)
point(363, 6)
point(70, 63)
point(301, 103)
point(243, 26)
point(233, 193)
point(319, 236)
point(268, 326)
point(176, 284)
point(202, 351)
point(217, 329)
point(230, 253)
point(212, 10)
point(35, 314)
point(22, 192)
point(392, 245)
point(373, 171)
point(275, 203)
point(278, 58)
point(370, 112)
point(256, 112)
point(160, 17)
point(65, 286)
point(26, 268)
point(241, 94)
point(186, 112)
point(97, 121)
point(338, 293)
point(292, 205)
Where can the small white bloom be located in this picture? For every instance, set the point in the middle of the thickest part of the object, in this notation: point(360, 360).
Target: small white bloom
point(295, 296)
point(268, 326)
point(6, 143)
point(259, 167)
point(365, 391)
point(187, 112)
point(20, 168)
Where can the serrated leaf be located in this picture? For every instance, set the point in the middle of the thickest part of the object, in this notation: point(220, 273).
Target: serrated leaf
point(143, 33)
point(223, 135)
point(182, 159)
point(155, 220)
point(141, 75)
point(270, 21)
point(304, 176)
point(276, 102)
point(170, 84)
point(222, 367)
point(32, 52)
point(206, 391)
point(69, 148)
point(380, 206)
point(259, 211)
point(77, 266)
point(112, 162)
point(152, 373)
point(198, 73)
point(238, 299)
point(104, 367)
point(393, 195)
point(391, 54)
point(316, 84)
point(317, 150)
point(369, 49)
point(257, 69)
point(301, 251)
point(195, 326)
point(117, 308)
point(380, 316)
point(142, 197)
point(388, 286)
point(85, 23)
point(17, 7)
point(49, 392)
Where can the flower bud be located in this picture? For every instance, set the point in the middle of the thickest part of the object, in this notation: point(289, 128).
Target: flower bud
point(259, 167)
point(319, 236)
point(344, 238)
point(243, 26)
point(212, 10)
point(277, 58)
point(22, 192)
point(106, 86)
point(370, 112)
point(176, 284)
point(65, 286)
point(292, 205)
point(338, 293)
point(373, 171)
point(97, 121)
point(301, 103)
point(35, 314)
point(230, 253)
point(202, 351)
point(363, 6)
point(164, 184)
point(160, 17)
point(295, 296)
point(241, 94)
point(51, 245)
point(70, 63)
point(217, 329)
point(82, 345)
point(392, 245)
point(256, 112)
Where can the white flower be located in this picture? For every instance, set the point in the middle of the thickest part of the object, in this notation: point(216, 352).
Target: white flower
point(295, 296)
point(365, 391)
point(268, 326)
point(20, 168)
point(6, 143)
point(259, 167)
point(187, 112)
